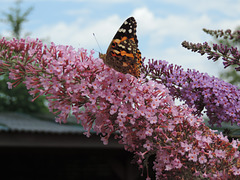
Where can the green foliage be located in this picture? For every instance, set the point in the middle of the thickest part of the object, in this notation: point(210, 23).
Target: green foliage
point(231, 75)
point(18, 99)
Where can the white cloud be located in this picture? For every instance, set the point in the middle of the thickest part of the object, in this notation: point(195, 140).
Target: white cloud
point(172, 25)
point(91, 1)
point(188, 59)
point(228, 24)
point(77, 12)
point(6, 33)
point(80, 32)
point(159, 37)
point(172, 30)
point(156, 29)
point(227, 7)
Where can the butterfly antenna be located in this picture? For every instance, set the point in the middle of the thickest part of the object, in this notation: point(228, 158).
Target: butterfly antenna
point(97, 42)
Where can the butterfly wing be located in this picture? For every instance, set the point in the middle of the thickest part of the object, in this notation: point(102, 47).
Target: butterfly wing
point(123, 54)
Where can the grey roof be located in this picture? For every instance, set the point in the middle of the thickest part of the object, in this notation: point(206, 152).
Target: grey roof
point(12, 122)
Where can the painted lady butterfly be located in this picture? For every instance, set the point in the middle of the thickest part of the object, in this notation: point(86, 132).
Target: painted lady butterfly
point(123, 54)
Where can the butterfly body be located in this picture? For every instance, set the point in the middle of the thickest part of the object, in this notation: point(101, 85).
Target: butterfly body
point(123, 54)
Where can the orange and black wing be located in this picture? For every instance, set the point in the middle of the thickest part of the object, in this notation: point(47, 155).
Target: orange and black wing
point(123, 54)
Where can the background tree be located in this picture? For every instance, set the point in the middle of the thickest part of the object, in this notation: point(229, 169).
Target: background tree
point(18, 99)
point(15, 17)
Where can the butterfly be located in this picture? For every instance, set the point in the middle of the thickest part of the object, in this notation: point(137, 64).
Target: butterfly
point(123, 54)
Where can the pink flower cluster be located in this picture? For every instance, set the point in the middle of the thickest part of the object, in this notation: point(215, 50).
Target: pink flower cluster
point(139, 112)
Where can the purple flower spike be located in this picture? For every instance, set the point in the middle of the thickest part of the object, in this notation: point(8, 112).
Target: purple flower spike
point(220, 99)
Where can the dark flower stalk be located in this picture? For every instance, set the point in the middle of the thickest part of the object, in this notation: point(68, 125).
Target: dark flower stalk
point(227, 34)
point(229, 55)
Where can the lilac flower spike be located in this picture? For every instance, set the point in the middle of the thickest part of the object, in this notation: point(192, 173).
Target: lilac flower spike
point(220, 99)
point(229, 55)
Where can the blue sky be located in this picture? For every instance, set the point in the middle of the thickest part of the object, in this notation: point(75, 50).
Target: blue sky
point(162, 25)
